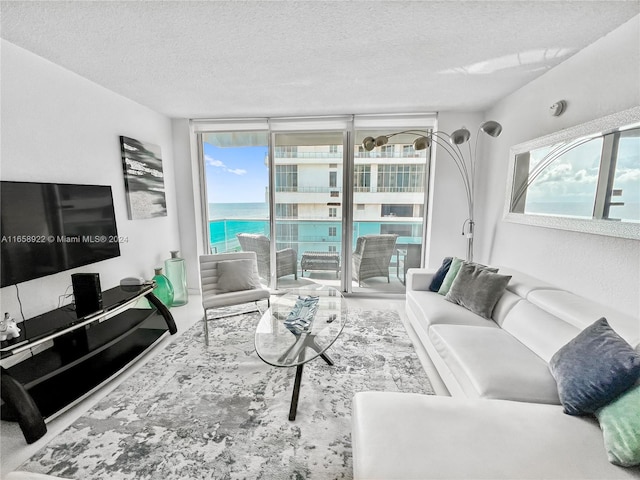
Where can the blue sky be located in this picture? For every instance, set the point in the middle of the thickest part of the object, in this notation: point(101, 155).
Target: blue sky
point(236, 175)
point(239, 175)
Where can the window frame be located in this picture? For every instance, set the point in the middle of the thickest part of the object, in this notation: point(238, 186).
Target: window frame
point(352, 155)
point(620, 121)
point(401, 177)
point(333, 179)
point(396, 210)
point(286, 176)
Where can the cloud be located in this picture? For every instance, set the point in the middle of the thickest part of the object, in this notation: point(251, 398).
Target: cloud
point(220, 164)
point(564, 182)
point(631, 175)
point(213, 162)
point(554, 173)
point(629, 182)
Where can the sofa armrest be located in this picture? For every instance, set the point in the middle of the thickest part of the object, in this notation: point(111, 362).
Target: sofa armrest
point(419, 278)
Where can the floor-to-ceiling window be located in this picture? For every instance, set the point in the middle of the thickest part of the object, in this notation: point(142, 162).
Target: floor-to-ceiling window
point(236, 181)
point(389, 195)
point(308, 175)
point(339, 214)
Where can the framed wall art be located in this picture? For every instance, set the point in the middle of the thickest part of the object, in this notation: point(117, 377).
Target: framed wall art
point(143, 179)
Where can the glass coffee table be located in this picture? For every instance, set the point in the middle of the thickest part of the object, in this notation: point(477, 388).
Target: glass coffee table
point(299, 327)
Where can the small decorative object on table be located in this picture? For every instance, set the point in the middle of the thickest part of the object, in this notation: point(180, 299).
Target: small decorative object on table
point(163, 289)
point(177, 275)
point(300, 318)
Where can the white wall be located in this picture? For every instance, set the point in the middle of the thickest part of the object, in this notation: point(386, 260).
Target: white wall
point(187, 181)
point(447, 198)
point(603, 78)
point(60, 127)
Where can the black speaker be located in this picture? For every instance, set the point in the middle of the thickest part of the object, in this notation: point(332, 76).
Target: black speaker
point(87, 292)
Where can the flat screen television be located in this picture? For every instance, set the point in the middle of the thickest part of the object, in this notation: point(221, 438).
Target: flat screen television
point(47, 228)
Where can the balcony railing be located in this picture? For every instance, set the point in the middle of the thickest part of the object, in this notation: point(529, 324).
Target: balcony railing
point(390, 189)
point(416, 189)
point(278, 154)
point(223, 232)
point(372, 154)
point(378, 154)
point(300, 189)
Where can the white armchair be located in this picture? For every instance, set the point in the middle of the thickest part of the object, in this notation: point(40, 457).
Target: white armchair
point(229, 279)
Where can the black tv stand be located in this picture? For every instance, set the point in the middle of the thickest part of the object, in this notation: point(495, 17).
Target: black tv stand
point(78, 354)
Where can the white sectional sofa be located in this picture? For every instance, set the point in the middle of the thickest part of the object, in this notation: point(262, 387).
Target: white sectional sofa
point(503, 418)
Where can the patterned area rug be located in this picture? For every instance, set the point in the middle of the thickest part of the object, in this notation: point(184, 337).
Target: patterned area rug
point(219, 412)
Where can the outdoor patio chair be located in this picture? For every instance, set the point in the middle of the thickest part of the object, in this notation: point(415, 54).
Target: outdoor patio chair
point(372, 256)
point(286, 259)
point(229, 279)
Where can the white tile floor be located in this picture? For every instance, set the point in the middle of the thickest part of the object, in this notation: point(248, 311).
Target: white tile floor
point(13, 448)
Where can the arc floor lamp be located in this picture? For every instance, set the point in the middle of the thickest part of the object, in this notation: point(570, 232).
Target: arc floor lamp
point(450, 143)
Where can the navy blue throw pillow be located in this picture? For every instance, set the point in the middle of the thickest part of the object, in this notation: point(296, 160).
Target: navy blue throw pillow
point(438, 277)
point(594, 368)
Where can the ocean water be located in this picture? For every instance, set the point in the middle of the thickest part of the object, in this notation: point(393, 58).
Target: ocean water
point(228, 219)
point(221, 211)
point(629, 212)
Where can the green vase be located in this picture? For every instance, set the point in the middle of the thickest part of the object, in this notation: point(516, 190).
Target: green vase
point(177, 275)
point(163, 289)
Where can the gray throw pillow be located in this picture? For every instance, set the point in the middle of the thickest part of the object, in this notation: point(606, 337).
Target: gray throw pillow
point(594, 368)
point(477, 288)
point(235, 275)
point(438, 277)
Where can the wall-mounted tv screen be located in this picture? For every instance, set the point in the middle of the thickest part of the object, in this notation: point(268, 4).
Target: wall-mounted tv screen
point(47, 228)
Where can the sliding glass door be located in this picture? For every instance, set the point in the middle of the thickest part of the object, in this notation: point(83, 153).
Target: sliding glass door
point(388, 213)
point(388, 207)
point(308, 203)
point(337, 214)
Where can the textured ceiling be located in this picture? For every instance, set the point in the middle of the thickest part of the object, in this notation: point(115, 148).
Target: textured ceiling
point(261, 58)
